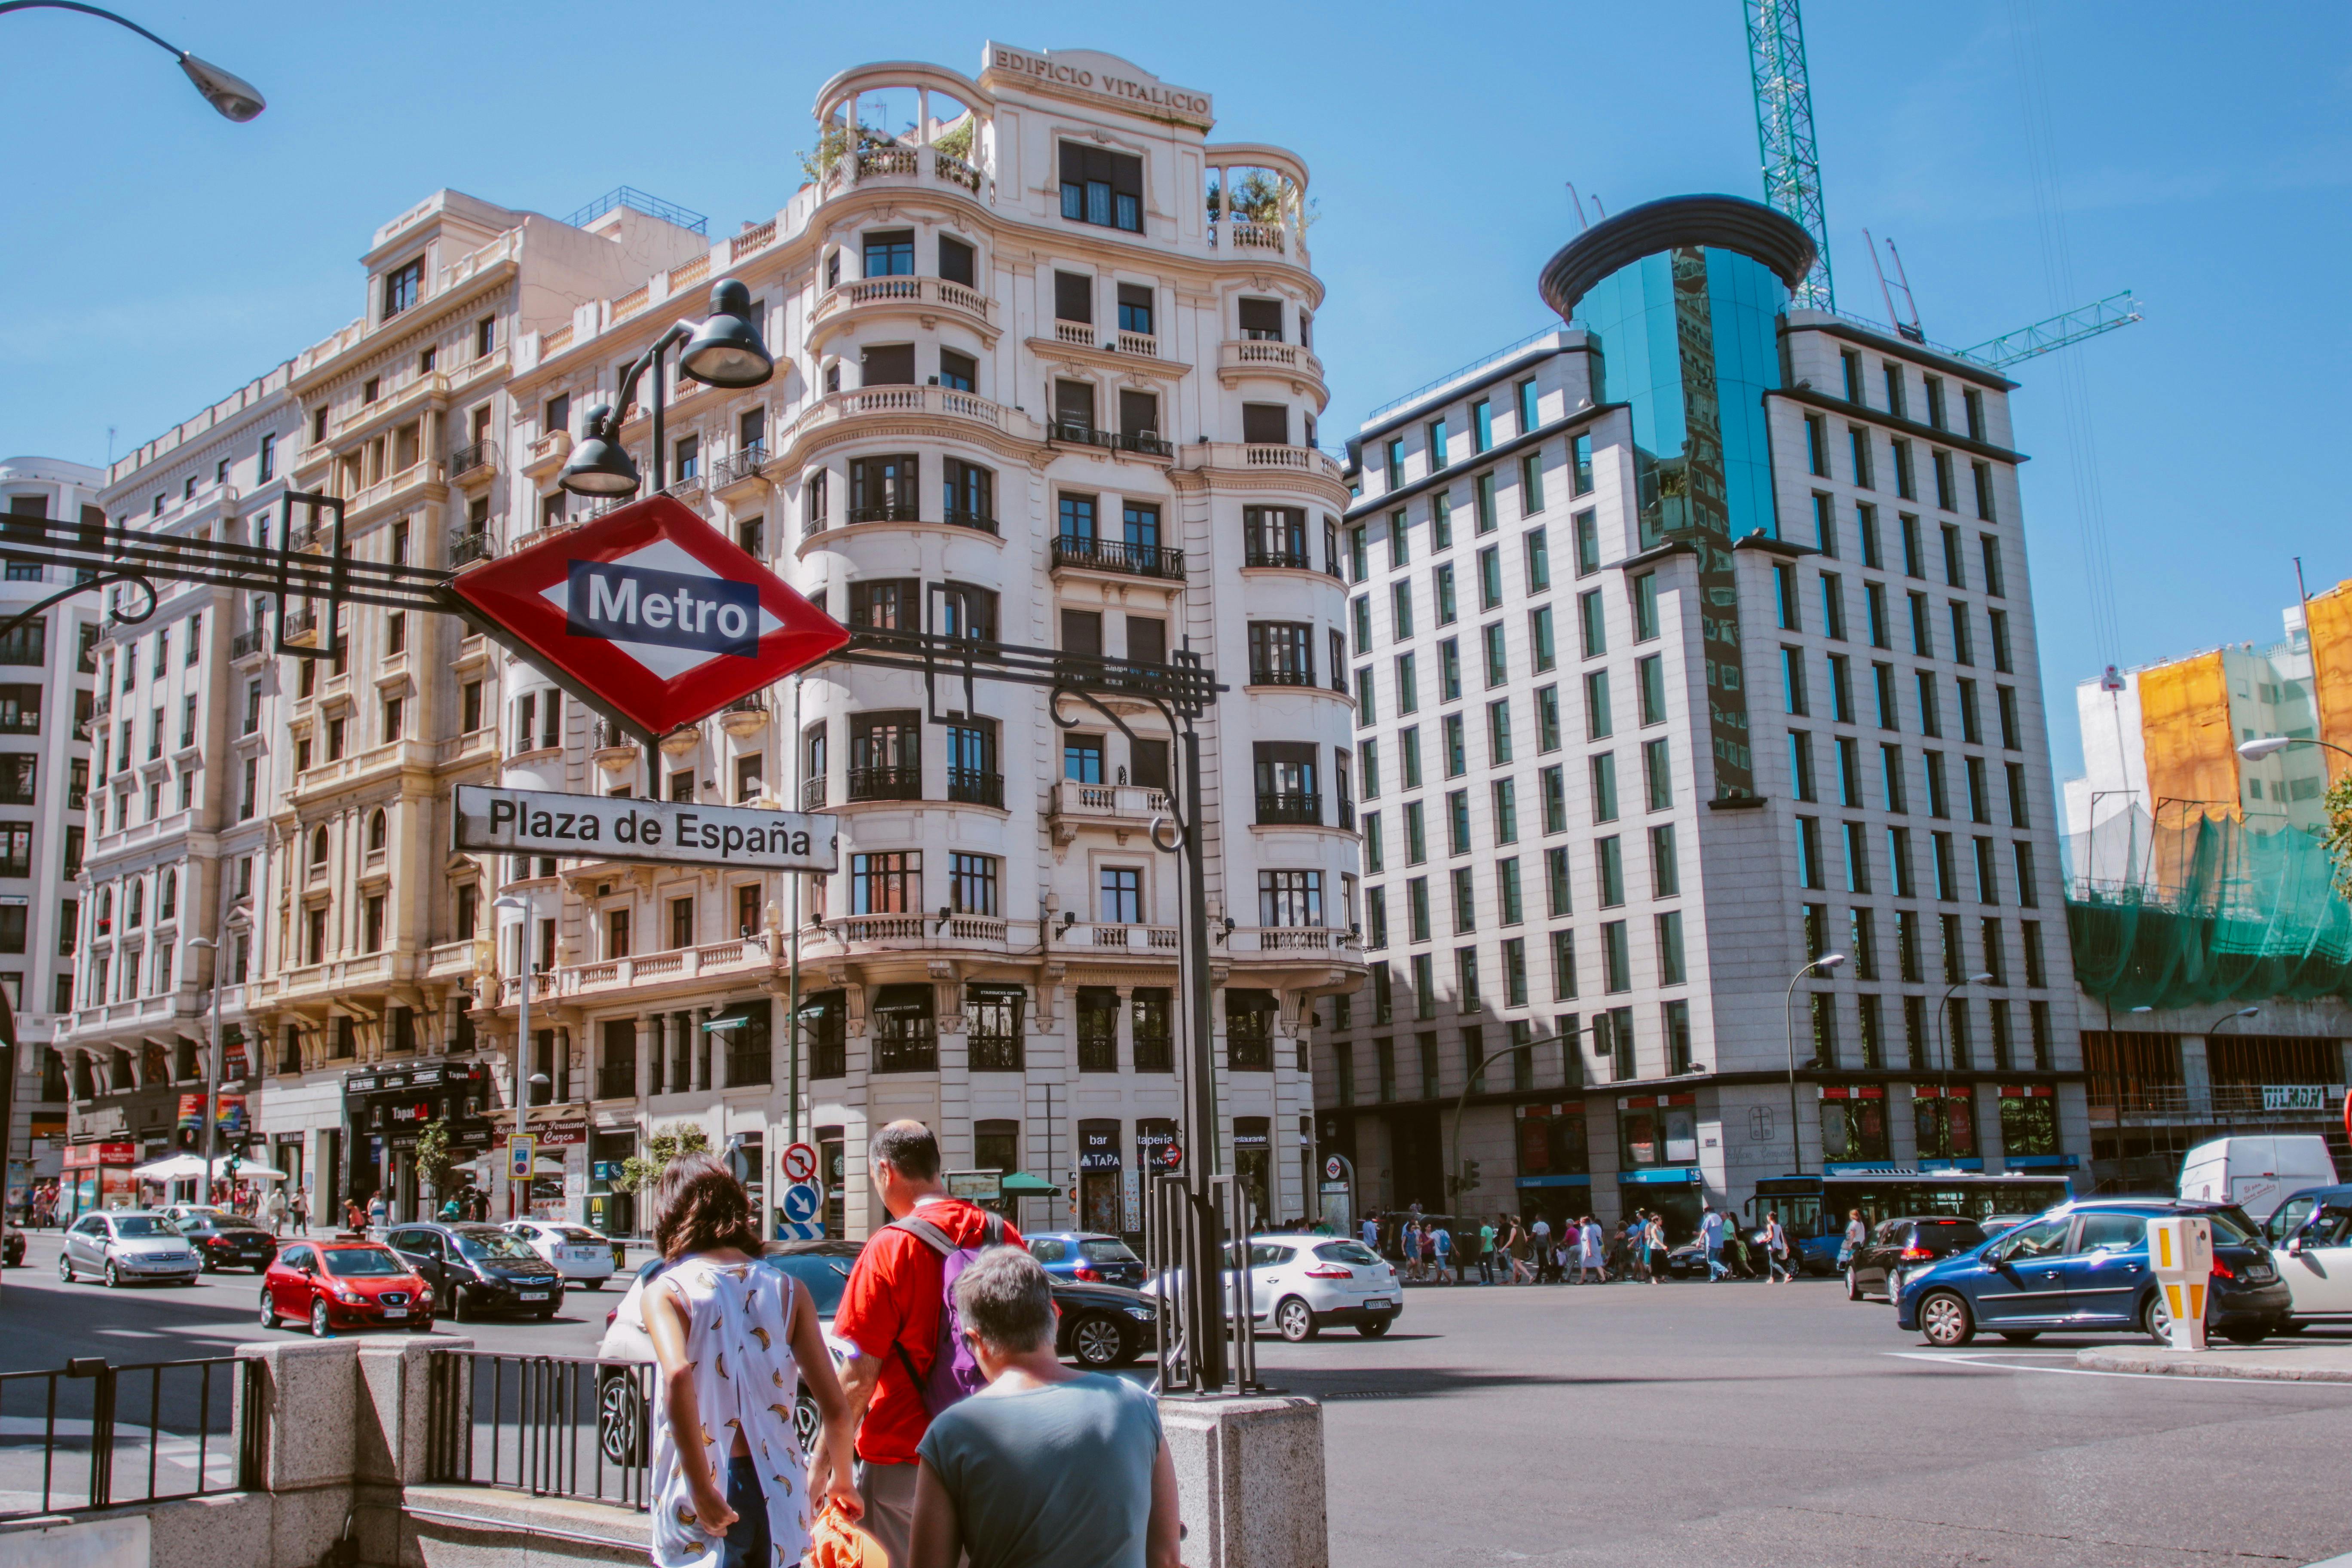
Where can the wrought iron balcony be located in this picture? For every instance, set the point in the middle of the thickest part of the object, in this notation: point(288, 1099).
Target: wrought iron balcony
point(886, 783)
point(1290, 808)
point(1256, 554)
point(973, 787)
point(1280, 675)
point(886, 512)
point(1118, 555)
point(959, 518)
point(813, 794)
point(467, 545)
point(742, 463)
point(473, 455)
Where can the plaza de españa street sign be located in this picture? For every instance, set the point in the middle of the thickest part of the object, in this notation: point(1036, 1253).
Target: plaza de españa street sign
point(653, 611)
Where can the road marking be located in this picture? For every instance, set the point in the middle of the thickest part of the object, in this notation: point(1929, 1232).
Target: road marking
point(1976, 1361)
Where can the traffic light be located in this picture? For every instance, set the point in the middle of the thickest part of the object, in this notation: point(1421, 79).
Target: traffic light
point(1469, 1175)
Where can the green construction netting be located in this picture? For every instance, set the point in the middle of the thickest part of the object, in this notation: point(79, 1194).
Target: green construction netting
point(2205, 912)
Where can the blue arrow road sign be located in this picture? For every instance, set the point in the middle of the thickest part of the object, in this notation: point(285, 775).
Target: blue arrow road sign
point(802, 1200)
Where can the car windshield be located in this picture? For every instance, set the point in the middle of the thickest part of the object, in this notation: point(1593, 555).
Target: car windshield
point(1346, 1252)
point(1107, 1251)
point(494, 1247)
point(144, 1224)
point(574, 1235)
point(2231, 1227)
point(361, 1262)
point(1949, 1235)
point(825, 1276)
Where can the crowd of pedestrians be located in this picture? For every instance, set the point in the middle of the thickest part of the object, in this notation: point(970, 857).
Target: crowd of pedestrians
point(1510, 1249)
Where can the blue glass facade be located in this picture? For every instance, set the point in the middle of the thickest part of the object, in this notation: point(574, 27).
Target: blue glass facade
point(1690, 338)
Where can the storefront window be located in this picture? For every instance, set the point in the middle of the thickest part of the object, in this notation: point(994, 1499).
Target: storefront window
point(1661, 1130)
point(1853, 1123)
point(1551, 1141)
point(2029, 1120)
point(1945, 1121)
point(1254, 1163)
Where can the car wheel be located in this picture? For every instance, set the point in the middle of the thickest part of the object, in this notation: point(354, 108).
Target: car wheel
point(620, 1421)
point(1375, 1328)
point(1852, 1284)
point(1294, 1320)
point(1945, 1319)
point(459, 1308)
point(808, 1425)
point(268, 1309)
point(113, 1280)
point(1097, 1342)
point(65, 1275)
point(2020, 1336)
point(2155, 1319)
point(206, 1265)
point(319, 1327)
point(545, 1313)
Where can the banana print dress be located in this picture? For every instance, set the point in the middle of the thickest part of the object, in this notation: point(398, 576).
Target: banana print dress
point(740, 1355)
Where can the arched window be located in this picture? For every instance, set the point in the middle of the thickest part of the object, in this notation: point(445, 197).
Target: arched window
point(376, 833)
point(318, 848)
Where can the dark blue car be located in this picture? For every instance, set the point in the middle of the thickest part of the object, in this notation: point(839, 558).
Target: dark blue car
point(1088, 1256)
point(2083, 1267)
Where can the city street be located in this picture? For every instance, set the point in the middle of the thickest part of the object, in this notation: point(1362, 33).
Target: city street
point(1691, 1423)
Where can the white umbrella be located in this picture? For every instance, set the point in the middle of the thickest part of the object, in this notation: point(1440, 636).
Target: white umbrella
point(174, 1168)
point(248, 1170)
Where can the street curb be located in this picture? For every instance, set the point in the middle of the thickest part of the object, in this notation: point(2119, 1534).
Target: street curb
point(2159, 1365)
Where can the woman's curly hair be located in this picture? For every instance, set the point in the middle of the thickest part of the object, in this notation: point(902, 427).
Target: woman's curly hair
point(699, 1205)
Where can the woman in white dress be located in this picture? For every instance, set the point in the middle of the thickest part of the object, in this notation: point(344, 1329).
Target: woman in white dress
point(733, 1340)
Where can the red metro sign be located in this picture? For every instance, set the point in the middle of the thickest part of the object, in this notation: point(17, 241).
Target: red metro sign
point(652, 612)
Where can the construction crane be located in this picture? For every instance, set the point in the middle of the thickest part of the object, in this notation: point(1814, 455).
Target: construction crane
point(1792, 187)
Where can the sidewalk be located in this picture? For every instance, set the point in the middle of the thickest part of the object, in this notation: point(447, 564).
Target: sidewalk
point(2283, 1360)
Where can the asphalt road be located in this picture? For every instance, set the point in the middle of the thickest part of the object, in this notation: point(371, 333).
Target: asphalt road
point(1684, 1424)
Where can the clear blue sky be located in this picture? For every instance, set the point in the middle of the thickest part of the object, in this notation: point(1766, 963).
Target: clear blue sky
point(156, 255)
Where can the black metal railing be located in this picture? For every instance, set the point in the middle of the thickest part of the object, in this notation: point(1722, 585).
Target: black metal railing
point(811, 795)
point(473, 455)
point(886, 512)
point(1071, 434)
point(1118, 555)
point(742, 463)
point(973, 787)
point(467, 545)
point(604, 735)
point(958, 518)
point(752, 704)
point(245, 645)
point(996, 1053)
point(1149, 443)
point(750, 1065)
point(1290, 807)
point(616, 1080)
point(886, 783)
point(91, 1434)
point(1280, 675)
point(1257, 554)
point(549, 1425)
point(1097, 1053)
point(906, 1045)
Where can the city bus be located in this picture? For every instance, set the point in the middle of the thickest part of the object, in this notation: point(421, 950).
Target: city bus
point(1813, 1209)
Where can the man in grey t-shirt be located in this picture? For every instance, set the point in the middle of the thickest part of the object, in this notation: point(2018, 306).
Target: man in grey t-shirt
point(1044, 1467)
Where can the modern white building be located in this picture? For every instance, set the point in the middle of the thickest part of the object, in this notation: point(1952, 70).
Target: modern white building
point(1045, 376)
point(1691, 643)
point(46, 677)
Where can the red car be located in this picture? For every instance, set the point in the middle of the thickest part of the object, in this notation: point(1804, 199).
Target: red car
point(336, 1285)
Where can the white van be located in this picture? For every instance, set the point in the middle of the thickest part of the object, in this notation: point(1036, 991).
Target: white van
point(2256, 1173)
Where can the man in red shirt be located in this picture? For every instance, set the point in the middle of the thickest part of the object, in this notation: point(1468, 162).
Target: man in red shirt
point(891, 1311)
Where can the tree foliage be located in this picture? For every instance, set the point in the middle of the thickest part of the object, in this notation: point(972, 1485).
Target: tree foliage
point(434, 1157)
point(639, 1172)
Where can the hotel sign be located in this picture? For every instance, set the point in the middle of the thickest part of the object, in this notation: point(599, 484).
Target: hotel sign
point(1106, 77)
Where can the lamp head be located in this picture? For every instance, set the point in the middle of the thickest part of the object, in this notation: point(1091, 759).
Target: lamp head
point(235, 97)
point(1979, 979)
point(539, 1080)
point(2269, 746)
point(599, 466)
point(1830, 961)
point(2245, 1012)
point(509, 901)
point(203, 942)
point(726, 349)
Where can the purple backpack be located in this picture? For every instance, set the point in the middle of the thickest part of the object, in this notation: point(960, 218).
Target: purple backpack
point(955, 1374)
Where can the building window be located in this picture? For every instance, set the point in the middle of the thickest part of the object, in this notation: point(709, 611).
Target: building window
point(886, 882)
point(1102, 187)
point(401, 287)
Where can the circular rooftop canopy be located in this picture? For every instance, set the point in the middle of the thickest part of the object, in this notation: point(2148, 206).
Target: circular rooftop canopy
point(1726, 223)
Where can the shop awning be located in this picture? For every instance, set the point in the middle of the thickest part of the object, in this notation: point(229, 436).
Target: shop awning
point(1021, 1184)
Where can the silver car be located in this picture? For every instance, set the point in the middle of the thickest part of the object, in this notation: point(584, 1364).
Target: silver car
point(1302, 1284)
point(127, 1246)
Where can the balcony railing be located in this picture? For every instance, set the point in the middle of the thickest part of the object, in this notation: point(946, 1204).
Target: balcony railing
point(973, 787)
point(743, 464)
point(886, 783)
point(886, 512)
point(813, 794)
point(1257, 554)
point(245, 645)
point(1290, 807)
point(469, 545)
point(1280, 675)
point(1118, 555)
point(473, 455)
point(956, 517)
point(1070, 433)
point(616, 1080)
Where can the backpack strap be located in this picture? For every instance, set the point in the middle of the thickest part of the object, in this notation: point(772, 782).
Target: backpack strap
point(931, 1236)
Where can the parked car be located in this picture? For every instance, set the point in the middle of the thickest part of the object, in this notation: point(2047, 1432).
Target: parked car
point(226, 1241)
point(476, 1269)
point(1899, 1246)
point(2084, 1265)
point(1087, 1255)
point(1301, 1285)
point(333, 1285)
point(584, 1257)
point(126, 1246)
point(2313, 1251)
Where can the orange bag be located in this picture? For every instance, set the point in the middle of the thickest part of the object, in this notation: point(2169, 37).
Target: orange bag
point(837, 1542)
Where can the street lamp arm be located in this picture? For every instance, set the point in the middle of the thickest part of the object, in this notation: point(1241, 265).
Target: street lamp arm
point(234, 97)
point(172, 49)
point(677, 335)
point(1462, 1099)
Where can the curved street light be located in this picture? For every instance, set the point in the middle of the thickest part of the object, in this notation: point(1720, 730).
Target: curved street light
point(1944, 1049)
point(723, 349)
point(1825, 963)
point(233, 96)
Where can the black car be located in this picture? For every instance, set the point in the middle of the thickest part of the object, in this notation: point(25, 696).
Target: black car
point(478, 1268)
point(1897, 1246)
point(226, 1241)
point(1103, 1326)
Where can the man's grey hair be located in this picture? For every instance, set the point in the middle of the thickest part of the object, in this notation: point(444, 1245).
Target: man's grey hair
point(1004, 1297)
point(910, 1147)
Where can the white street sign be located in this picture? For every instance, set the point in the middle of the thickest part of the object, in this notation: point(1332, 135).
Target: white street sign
point(668, 833)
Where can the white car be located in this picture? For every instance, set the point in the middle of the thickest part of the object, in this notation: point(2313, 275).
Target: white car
point(584, 1257)
point(1301, 1285)
point(2314, 1258)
